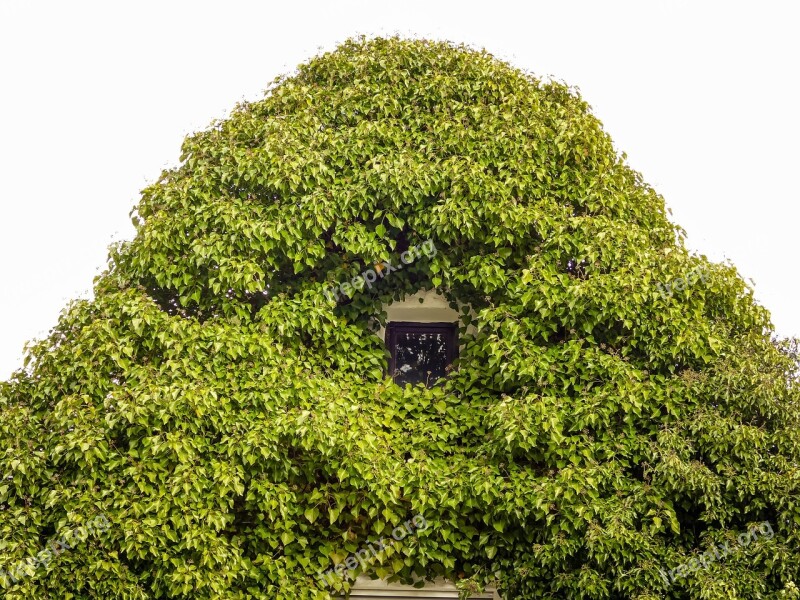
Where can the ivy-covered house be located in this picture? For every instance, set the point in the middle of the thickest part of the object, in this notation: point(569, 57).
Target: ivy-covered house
point(407, 327)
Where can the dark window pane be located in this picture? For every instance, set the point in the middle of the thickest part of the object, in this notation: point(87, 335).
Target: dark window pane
point(421, 352)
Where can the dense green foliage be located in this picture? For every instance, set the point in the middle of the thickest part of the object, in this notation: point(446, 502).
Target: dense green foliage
point(235, 425)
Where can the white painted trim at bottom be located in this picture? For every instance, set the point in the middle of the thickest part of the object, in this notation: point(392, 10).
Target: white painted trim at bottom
point(377, 589)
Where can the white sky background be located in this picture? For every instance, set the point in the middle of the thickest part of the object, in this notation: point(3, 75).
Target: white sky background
point(97, 97)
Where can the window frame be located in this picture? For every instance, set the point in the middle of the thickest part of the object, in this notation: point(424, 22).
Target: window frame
point(393, 328)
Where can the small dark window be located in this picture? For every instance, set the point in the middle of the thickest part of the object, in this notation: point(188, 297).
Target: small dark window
point(421, 352)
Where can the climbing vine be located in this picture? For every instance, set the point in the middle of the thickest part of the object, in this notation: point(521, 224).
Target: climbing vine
point(235, 425)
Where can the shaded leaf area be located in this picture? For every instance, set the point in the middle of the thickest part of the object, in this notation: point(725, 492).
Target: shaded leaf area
point(238, 427)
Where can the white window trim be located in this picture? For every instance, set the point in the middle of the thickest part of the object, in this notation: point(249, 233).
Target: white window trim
point(376, 589)
point(434, 308)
